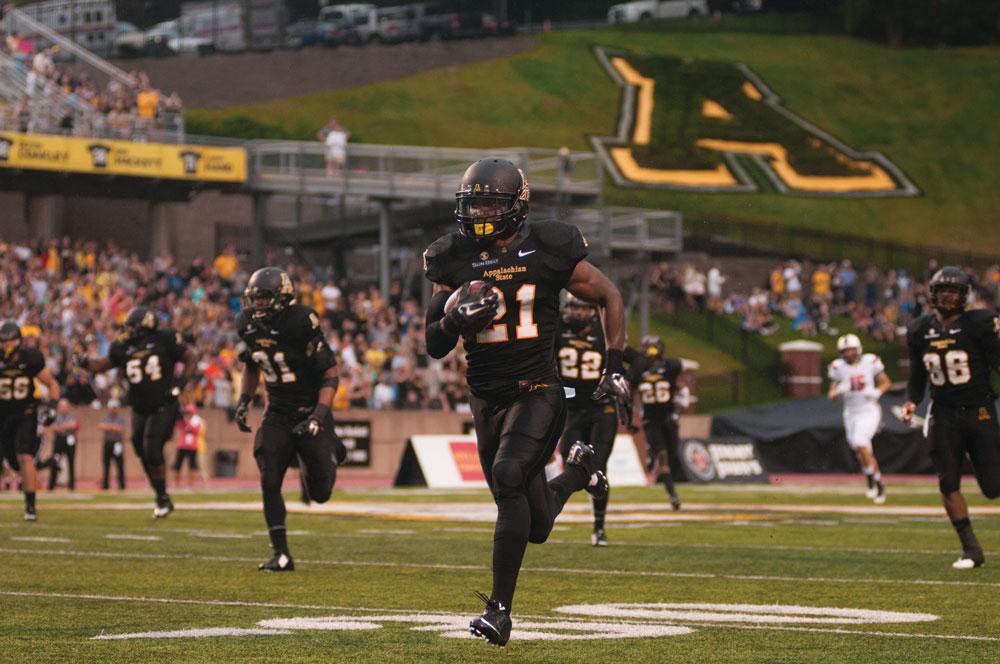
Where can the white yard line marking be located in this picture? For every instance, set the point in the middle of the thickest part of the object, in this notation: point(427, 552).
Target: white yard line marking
point(138, 538)
point(60, 540)
point(386, 531)
point(443, 615)
point(541, 570)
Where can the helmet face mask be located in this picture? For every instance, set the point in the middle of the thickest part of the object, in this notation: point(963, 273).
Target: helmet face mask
point(492, 201)
point(10, 337)
point(949, 289)
point(652, 346)
point(577, 314)
point(269, 291)
point(139, 322)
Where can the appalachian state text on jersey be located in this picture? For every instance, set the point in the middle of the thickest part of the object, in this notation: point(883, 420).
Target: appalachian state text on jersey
point(581, 361)
point(17, 379)
point(657, 387)
point(956, 359)
point(148, 367)
point(292, 356)
point(528, 275)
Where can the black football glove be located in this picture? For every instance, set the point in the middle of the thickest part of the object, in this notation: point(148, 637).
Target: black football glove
point(242, 411)
point(616, 386)
point(312, 425)
point(81, 360)
point(48, 414)
point(473, 312)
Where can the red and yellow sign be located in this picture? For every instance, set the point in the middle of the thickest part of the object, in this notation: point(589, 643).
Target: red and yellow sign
point(115, 157)
point(467, 461)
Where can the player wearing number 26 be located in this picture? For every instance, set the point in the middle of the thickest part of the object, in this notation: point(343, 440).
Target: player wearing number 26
point(956, 351)
point(497, 281)
point(282, 341)
point(149, 358)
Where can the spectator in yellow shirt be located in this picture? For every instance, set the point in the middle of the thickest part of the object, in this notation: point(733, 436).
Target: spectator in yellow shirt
point(226, 263)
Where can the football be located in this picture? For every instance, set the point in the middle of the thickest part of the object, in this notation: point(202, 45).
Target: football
point(475, 288)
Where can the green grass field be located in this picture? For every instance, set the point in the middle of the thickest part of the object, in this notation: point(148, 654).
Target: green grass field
point(930, 111)
point(399, 587)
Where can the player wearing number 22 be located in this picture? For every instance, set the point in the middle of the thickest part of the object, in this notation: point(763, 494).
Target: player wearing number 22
point(497, 284)
point(283, 341)
point(956, 351)
point(150, 357)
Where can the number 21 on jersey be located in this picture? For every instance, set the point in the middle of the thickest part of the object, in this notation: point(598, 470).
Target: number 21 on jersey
point(526, 327)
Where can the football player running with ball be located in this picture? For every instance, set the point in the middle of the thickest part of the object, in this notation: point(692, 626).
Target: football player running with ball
point(503, 277)
point(149, 357)
point(581, 351)
point(956, 351)
point(19, 413)
point(283, 341)
point(860, 379)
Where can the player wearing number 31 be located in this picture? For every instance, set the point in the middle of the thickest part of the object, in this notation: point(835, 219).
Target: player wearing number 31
point(149, 357)
point(956, 351)
point(283, 341)
point(497, 281)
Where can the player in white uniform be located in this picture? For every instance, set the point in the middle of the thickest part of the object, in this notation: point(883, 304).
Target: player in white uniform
point(860, 379)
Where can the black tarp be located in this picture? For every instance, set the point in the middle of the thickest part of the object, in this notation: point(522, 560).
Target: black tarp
point(807, 436)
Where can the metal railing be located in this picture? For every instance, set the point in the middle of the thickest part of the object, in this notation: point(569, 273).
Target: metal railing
point(15, 20)
point(642, 230)
point(411, 172)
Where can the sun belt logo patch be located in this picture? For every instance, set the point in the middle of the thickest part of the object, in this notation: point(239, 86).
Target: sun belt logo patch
point(701, 126)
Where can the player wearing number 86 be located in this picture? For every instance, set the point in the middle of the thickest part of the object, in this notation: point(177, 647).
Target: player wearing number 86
point(509, 327)
point(149, 357)
point(282, 341)
point(956, 350)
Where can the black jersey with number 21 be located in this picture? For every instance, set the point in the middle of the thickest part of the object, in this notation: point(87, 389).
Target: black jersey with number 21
point(291, 354)
point(528, 275)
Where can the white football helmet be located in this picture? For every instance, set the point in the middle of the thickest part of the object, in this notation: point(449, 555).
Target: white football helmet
point(849, 341)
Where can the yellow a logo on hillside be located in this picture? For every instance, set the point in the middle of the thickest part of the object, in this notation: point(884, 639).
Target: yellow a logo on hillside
point(702, 126)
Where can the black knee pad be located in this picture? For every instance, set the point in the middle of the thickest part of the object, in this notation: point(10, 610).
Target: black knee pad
point(992, 489)
point(320, 488)
point(949, 485)
point(508, 478)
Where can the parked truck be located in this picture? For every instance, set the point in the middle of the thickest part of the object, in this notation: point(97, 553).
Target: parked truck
point(650, 10)
point(235, 25)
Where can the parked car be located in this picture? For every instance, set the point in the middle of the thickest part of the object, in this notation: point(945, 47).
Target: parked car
point(397, 24)
point(130, 41)
point(166, 38)
point(649, 10)
point(310, 32)
point(357, 22)
point(437, 22)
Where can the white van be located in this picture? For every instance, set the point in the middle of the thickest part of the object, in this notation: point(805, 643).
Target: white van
point(358, 21)
point(650, 10)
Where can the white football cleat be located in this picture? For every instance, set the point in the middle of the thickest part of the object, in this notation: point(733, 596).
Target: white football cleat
point(970, 559)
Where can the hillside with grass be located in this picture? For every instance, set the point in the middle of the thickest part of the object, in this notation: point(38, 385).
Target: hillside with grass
point(930, 111)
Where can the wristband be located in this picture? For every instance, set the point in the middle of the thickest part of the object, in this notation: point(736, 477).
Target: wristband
point(614, 364)
point(320, 412)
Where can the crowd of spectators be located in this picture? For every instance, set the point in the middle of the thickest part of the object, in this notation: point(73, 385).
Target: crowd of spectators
point(807, 295)
point(61, 98)
point(70, 296)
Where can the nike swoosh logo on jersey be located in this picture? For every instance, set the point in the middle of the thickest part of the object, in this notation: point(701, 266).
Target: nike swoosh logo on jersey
point(522, 253)
point(954, 331)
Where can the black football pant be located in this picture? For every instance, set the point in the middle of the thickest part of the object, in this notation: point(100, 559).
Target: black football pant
point(275, 447)
point(62, 449)
point(113, 453)
point(516, 438)
point(150, 433)
point(953, 432)
point(19, 435)
point(595, 424)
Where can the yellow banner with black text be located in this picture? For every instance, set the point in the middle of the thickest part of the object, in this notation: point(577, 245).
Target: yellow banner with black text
point(115, 157)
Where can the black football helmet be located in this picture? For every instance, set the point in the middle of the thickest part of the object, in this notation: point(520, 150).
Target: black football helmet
point(577, 313)
point(955, 278)
point(10, 332)
point(139, 322)
point(269, 291)
point(492, 201)
point(652, 346)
